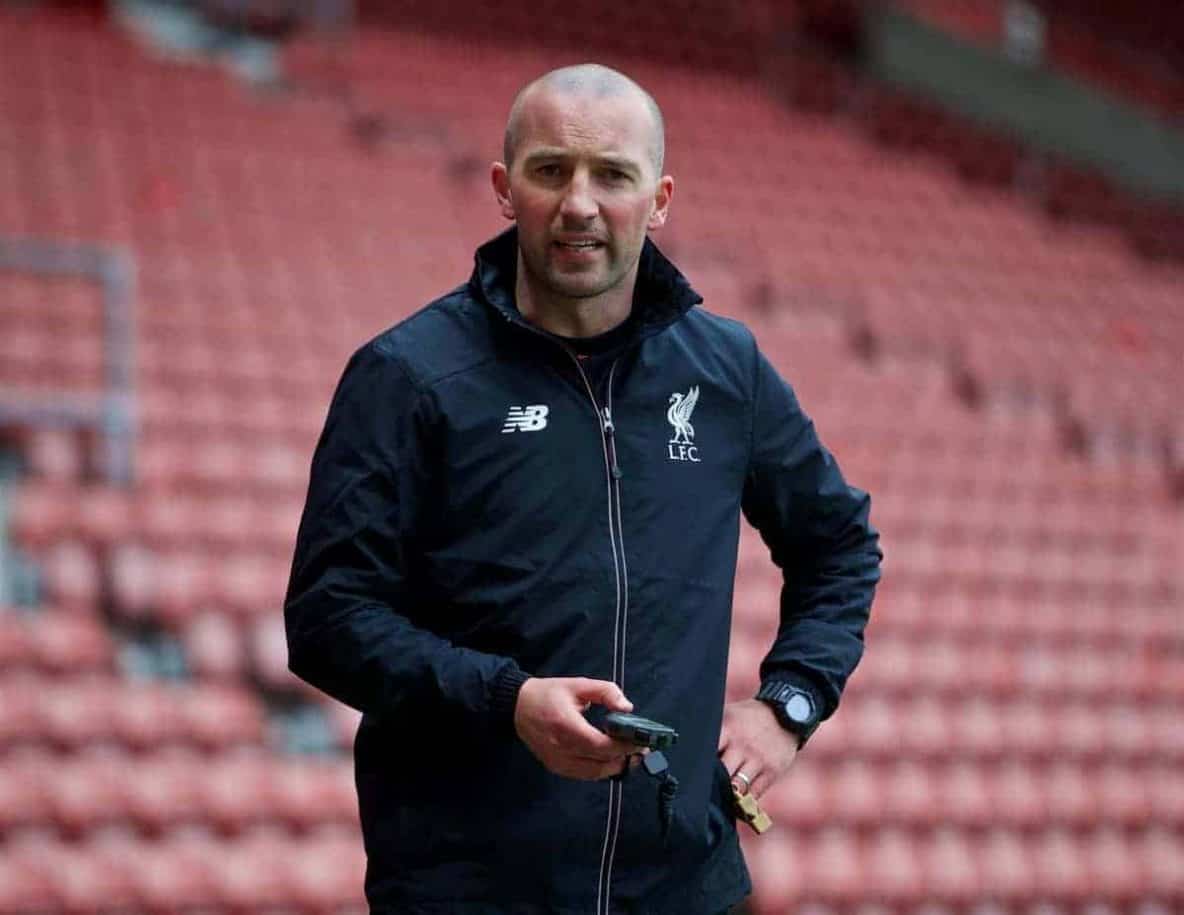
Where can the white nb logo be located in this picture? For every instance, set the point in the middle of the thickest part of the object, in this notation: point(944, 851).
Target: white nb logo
point(682, 447)
point(526, 419)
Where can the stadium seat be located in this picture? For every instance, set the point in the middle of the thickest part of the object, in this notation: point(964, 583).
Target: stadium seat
point(65, 644)
point(24, 803)
point(214, 648)
point(165, 793)
point(86, 791)
point(237, 790)
point(221, 716)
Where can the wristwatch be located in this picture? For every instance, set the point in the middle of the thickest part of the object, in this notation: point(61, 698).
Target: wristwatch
point(794, 707)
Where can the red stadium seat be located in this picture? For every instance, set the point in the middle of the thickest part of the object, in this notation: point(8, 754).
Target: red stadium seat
point(86, 791)
point(16, 649)
point(1114, 866)
point(24, 802)
point(220, 716)
point(72, 579)
point(1160, 852)
point(309, 794)
point(778, 868)
point(893, 869)
point(1017, 796)
point(951, 867)
point(104, 516)
point(254, 872)
point(964, 795)
point(75, 712)
point(147, 716)
point(214, 648)
point(1070, 795)
point(910, 794)
point(55, 454)
point(857, 793)
point(834, 867)
point(77, 879)
point(166, 791)
point(41, 514)
point(1122, 795)
point(328, 873)
point(1062, 871)
point(238, 791)
point(177, 874)
point(22, 888)
point(1007, 868)
point(65, 644)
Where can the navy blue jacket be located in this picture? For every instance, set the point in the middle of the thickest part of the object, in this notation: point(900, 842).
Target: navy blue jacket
point(478, 513)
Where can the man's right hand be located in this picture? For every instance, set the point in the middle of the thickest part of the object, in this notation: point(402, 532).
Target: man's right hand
point(549, 717)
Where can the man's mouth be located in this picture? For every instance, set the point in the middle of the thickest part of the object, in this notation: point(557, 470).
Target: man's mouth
point(583, 245)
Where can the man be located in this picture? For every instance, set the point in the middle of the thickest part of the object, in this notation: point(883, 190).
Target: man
point(525, 507)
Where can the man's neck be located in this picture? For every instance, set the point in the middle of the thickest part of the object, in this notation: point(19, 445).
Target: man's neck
point(566, 317)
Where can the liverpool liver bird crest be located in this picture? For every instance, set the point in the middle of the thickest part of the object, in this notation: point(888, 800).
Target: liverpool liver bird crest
point(679, 414)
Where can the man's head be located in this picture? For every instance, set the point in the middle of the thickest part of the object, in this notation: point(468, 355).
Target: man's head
point(582, 177)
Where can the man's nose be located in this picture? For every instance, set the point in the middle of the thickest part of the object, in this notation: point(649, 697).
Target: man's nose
point(579, 203)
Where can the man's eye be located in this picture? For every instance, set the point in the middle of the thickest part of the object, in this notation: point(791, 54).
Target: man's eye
point(615, 174)
point(547, 171)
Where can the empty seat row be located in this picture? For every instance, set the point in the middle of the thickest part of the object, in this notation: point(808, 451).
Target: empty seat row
point(924, 726)
point(72, 712)
point(170, 789)
point(53, 642)
point(104, 517)
point(892, 867)
point(265, 870)
point(1016, 793)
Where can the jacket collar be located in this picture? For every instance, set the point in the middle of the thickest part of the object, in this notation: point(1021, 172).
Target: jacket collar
point(661, 296)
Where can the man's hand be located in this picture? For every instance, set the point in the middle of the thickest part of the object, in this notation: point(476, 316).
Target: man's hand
point(753, 742)
point(549, 719)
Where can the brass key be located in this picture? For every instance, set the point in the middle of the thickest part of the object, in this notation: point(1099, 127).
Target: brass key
point(750, 812)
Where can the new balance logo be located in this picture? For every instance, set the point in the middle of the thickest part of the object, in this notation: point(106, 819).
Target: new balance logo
point(526, 419)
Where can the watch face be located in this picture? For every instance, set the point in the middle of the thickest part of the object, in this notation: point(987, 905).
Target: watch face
point(799, 708)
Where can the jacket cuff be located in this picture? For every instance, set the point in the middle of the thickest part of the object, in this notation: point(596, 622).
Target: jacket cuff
point(504, 691)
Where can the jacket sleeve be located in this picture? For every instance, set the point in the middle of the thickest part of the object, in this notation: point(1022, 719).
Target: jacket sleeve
point(353, 627)
point(819, 535)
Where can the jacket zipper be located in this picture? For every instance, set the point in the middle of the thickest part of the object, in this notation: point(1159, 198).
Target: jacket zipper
point(620, 620)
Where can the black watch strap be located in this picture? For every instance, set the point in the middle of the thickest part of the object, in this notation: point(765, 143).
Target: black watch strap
point(778, 693)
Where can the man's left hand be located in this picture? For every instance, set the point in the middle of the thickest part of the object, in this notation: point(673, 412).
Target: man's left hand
point(753, 742)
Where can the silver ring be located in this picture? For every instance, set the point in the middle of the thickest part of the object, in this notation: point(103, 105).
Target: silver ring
point(744, 778)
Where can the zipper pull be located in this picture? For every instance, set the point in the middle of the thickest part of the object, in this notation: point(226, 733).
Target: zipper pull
point(610, 439)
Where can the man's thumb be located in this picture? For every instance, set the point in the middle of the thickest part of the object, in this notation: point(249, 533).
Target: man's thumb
point(606, 693)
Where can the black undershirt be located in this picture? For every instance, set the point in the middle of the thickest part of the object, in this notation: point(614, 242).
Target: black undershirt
point(596, 354)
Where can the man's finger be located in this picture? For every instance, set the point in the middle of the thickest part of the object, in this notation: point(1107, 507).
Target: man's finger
point(732, 761)
point(602, 692)
point(747, 768)
point(761, 782)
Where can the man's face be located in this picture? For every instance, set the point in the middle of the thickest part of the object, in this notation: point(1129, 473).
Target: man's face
point(583, 190)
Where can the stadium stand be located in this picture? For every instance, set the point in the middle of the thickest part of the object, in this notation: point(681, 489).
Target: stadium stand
point(1125, 51)
point(1003, 384)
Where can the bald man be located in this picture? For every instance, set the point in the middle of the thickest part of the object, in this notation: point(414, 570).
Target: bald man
point(523, 514)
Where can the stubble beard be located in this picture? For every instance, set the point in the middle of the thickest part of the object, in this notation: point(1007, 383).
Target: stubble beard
point(575, 286)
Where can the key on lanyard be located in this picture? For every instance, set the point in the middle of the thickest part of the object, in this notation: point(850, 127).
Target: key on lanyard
point(750, 812)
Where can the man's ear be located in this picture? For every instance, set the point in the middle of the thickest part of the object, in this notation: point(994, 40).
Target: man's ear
point(662, 198)
point(499, 177)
